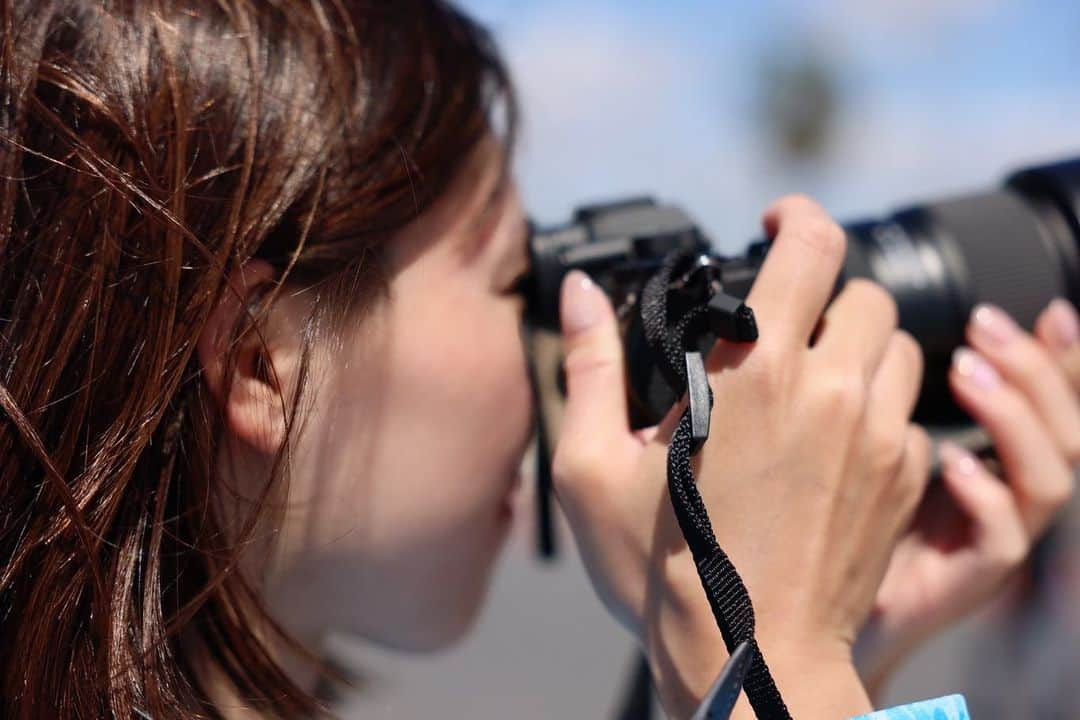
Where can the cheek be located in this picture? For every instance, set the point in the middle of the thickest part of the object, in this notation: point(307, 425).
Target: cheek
point(455, 418)
point(460, 402)
point(403, 490)
point(478, 394)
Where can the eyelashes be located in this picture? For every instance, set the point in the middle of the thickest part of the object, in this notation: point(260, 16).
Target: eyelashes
point(520, 284)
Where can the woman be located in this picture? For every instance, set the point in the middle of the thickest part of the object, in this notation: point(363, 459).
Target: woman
point(261, 377)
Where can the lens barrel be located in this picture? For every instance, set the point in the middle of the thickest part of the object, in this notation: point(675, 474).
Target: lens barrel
point(1016, 248)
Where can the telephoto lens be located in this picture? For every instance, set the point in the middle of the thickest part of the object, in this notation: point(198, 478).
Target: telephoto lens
point(1016, 247)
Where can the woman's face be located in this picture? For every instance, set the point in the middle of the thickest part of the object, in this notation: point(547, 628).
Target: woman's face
point(399, 497)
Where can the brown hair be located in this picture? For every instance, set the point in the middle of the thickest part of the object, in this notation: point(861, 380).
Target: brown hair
point(147, 149)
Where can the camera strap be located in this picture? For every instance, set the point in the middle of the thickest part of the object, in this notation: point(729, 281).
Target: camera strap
point(684, 369)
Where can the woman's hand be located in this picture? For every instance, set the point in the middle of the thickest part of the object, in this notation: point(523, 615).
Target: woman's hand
point(974, 529)
point(811, 472)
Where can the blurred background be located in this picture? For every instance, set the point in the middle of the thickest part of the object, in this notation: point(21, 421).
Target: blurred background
point(722, 106)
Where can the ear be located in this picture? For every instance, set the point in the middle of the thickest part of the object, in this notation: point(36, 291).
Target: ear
point(253, 406)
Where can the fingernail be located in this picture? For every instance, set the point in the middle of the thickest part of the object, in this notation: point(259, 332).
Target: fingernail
point(971, 366)
point(1065, 323)
point(993, 325)
point(582, 302)
point(957, 461)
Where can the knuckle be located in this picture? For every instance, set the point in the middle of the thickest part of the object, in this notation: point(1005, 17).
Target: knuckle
point(1011, 552)
point(575, 466)
point(589, 358)
point(919, 446)
point(920, 440)
point(1055, 495)
point(563, 470)
point(842, 396)
point(910, 350)
point(913, 470)
point(862, 285)
point(767, 373)
point(876, 299)
point(886, 451)
point(886, 459)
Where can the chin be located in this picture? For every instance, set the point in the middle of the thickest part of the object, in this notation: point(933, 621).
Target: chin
point(450, 633)
point(442, 628)
point(447, 612)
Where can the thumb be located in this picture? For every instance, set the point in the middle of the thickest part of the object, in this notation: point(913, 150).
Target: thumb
point(596, 410)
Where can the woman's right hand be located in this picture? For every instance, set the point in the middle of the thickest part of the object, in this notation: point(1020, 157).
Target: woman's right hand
point(811, 471)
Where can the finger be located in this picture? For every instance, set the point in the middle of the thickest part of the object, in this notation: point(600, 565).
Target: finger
point(894, 389)
point(1027, 366)
point(647, 435)
point(595, 415)
point(998, 529)
point(1058, 329)
point(858, 326)
point(914, 474)
point(799, 272)
point(1034, 466)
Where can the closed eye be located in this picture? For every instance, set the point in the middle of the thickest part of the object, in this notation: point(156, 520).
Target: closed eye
point(520, 284)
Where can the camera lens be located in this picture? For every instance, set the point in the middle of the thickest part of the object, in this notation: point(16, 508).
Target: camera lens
point(1015, 247)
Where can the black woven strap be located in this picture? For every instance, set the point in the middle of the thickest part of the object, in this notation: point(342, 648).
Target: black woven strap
point(724, 588)
point(728, 597)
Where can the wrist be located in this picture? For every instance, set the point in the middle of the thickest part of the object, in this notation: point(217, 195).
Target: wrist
point(881, 648)
point(814, 672)
point(816, 677)
point(682, 642)
point(816, 680)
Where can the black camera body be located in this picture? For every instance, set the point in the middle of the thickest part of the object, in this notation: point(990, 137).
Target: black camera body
point(622, 245)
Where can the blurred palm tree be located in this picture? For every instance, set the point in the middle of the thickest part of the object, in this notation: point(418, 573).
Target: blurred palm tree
point(797, 99)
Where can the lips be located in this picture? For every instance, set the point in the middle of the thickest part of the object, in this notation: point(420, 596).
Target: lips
point(510, 498)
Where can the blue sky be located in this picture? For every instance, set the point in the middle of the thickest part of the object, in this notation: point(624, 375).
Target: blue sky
point(632, 96)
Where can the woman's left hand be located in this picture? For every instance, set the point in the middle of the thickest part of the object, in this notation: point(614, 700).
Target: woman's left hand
point(973, 529)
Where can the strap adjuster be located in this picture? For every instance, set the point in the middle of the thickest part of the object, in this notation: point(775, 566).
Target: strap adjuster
point(701, 400)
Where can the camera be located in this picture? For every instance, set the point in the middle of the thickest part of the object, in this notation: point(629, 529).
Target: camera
point(1017, 246)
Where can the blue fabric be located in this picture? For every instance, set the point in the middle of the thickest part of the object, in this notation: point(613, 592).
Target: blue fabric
point(951, 707)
